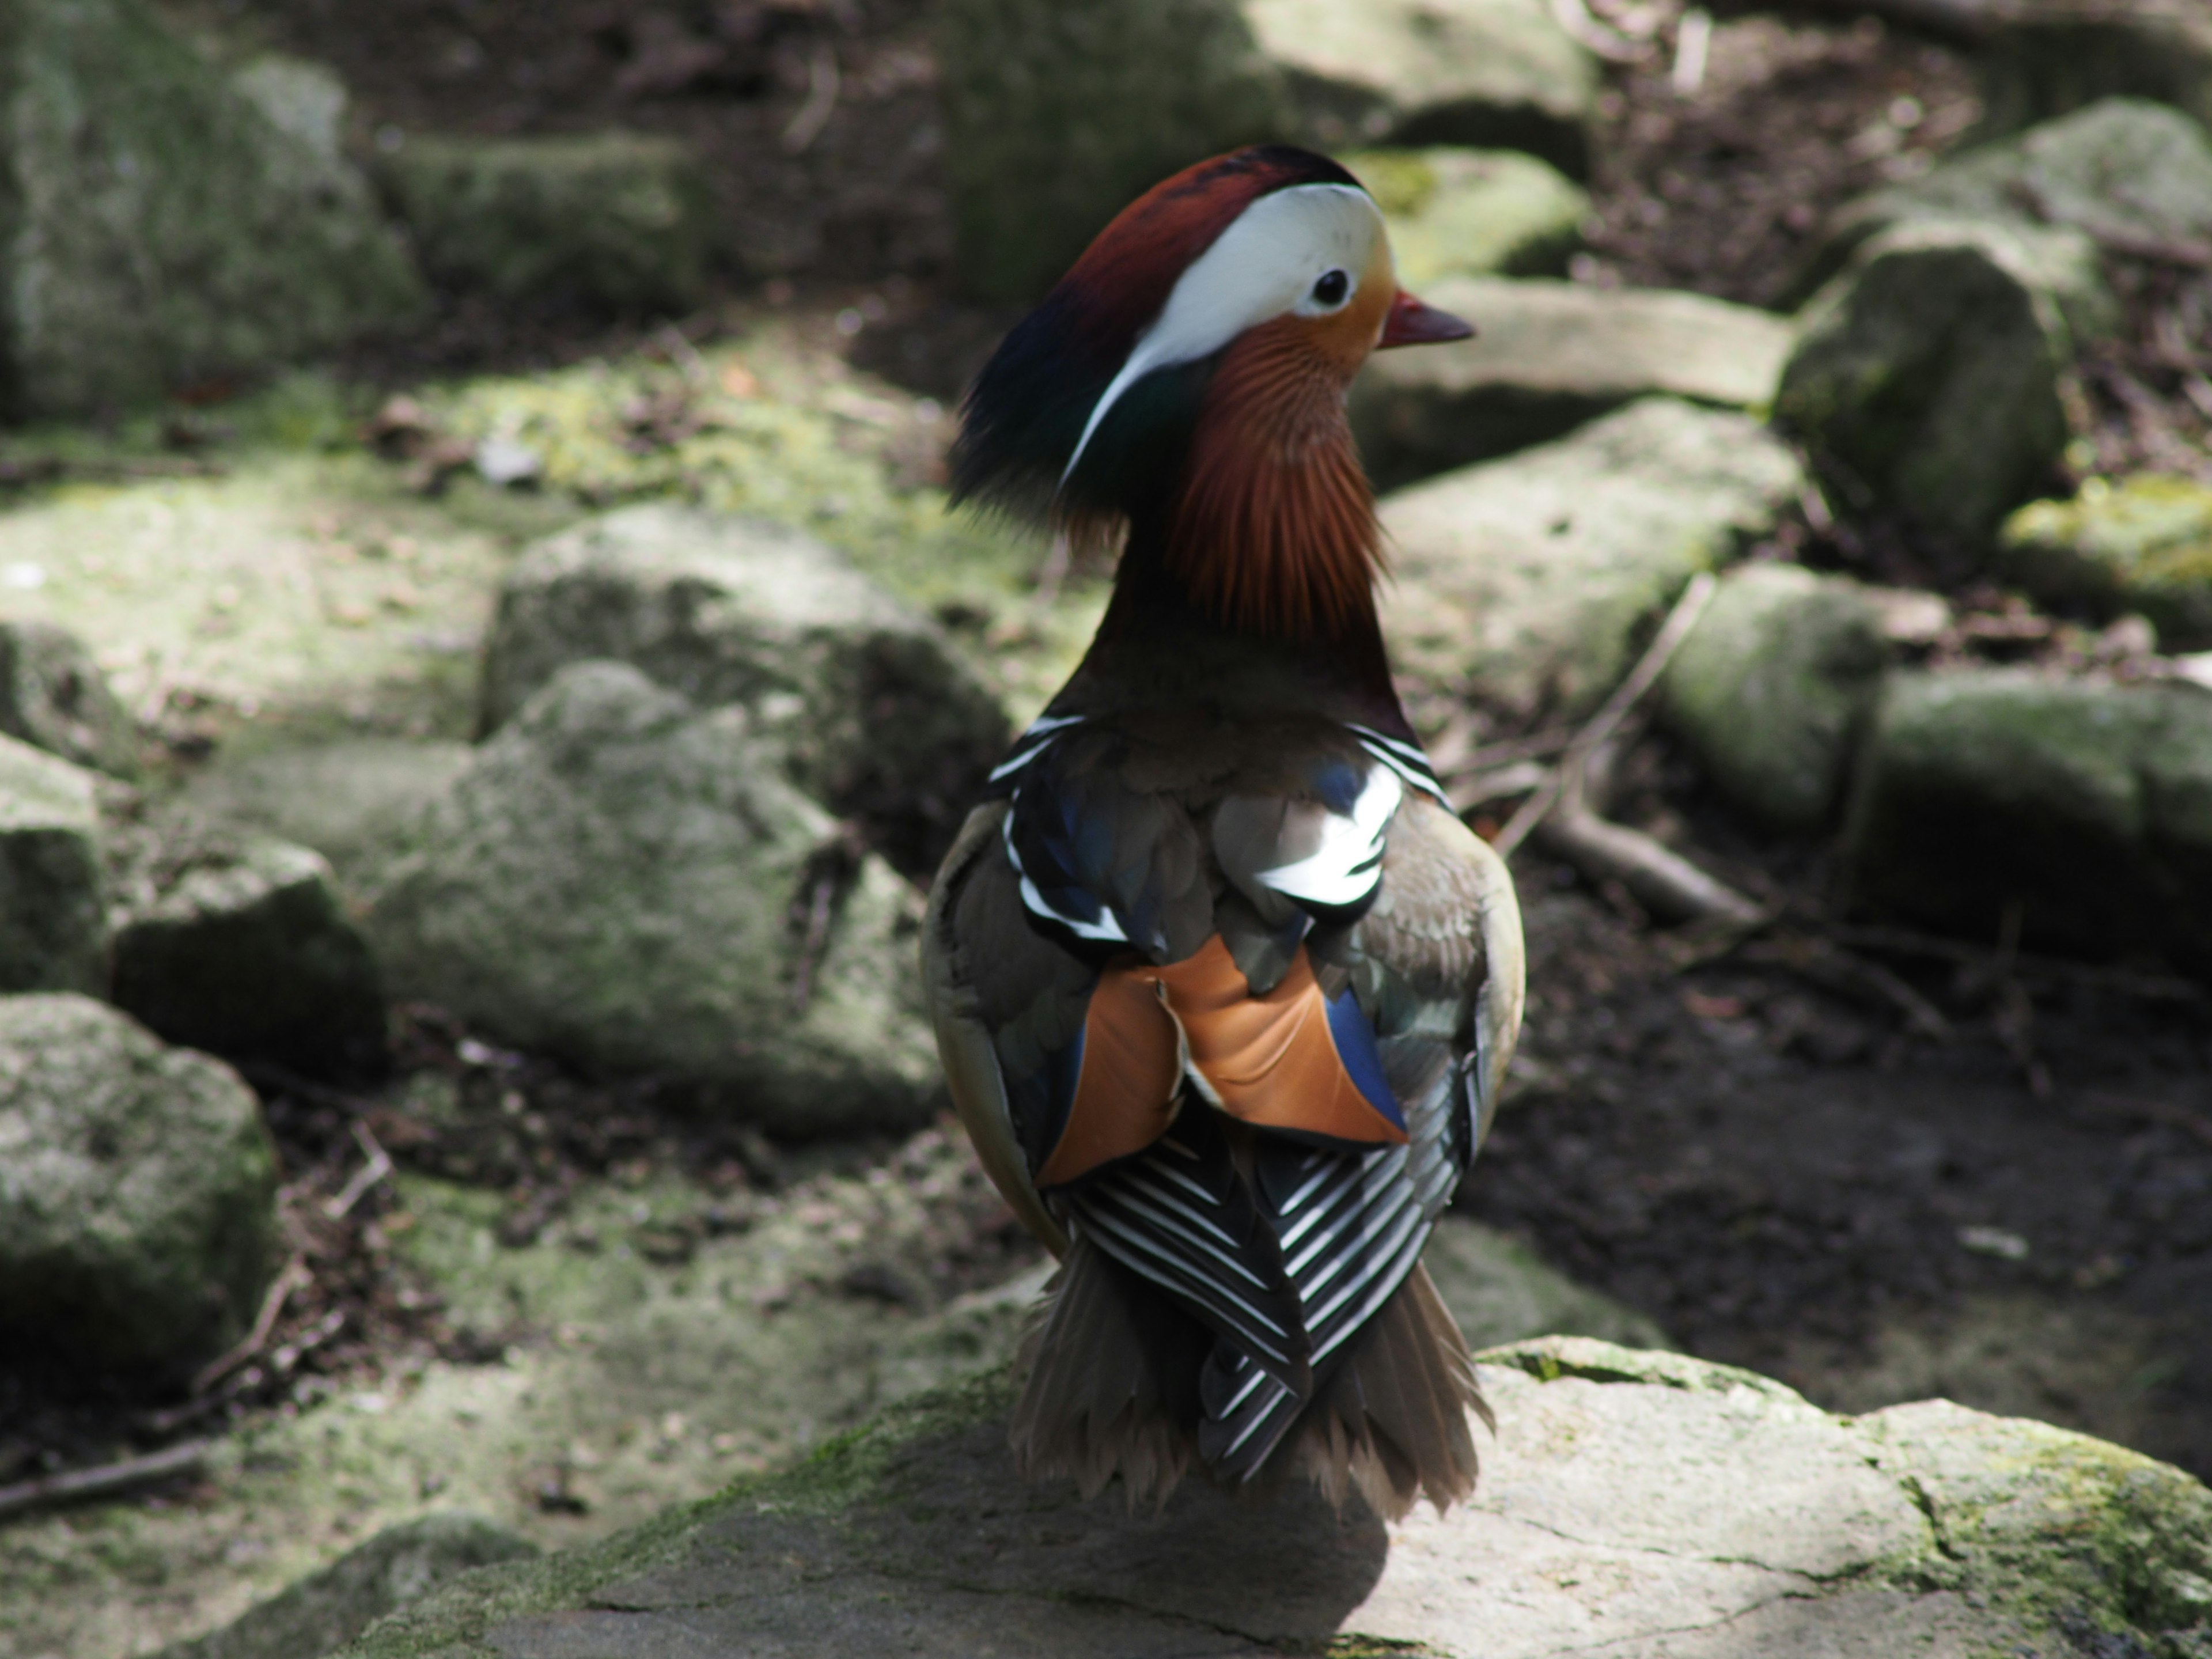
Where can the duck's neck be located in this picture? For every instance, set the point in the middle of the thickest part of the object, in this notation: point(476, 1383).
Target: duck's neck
point(1263, 558)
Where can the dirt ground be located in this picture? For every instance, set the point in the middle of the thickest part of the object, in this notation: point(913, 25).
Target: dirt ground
point(2012, 1206)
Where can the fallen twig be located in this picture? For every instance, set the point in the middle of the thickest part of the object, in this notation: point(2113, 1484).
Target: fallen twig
point(378, 1167)
point(822, 84)
point(1469, 790)
point(1904, 942)
point(1574, 18)
point(1659, 878)
point(293, 1277)
point(1601, 725)
point(1822, 963)
point(103, 1480)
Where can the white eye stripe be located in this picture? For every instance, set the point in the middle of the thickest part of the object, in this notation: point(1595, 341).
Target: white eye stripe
point(1264, 265)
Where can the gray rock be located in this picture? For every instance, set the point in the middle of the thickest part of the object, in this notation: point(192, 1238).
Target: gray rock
point(53, 697)
point(1529, 583)
point(2084, 805)
point(137, 1193)
point(1499, 1291)
point(351, 800)
point(163, 230)
point(1546, 357)
point(327, 1609)
point(1500, 74)
point(53, 922)
point(630, 882)
point(1631, 1503)
point(1473, 212)
point(2140, 545)
point(2042, 61)
point(1119, 93)
point(610, 221)
point(2131, 175)
point(1772, 686)
point(1926, 378)
point(880, 720)
point(239, 944)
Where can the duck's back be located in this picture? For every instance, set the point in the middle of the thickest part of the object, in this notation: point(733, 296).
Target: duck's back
point(1225, 997)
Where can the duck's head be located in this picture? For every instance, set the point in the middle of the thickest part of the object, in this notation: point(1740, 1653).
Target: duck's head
point(1186, 378)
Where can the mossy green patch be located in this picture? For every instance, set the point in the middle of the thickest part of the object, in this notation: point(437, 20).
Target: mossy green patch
point(2143, 544)
point(758, 427)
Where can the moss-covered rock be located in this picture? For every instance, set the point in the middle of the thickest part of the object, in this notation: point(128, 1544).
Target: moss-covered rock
point(1546, 357)
point(327, 1609)
point(1926, 378)
point(239, 944)
point(1530, 582)
point(880, 720)
point(351, 799)
point(2077, 811)
point(2141, 544)
point(1473, 212)
point(1771, 687)
point(161, 230)
point(1632, 1502)
point(137, 1194)
point(610, 221)
point(54, 696)
point(631, 882)
point(53, 923)
point(1058, 112)
point(2134, 175)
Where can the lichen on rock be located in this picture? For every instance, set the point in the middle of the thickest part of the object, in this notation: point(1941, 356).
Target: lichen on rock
point(1630, 1502)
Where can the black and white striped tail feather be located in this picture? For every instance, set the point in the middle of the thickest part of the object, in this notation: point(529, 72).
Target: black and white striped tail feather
point(1341, 1236)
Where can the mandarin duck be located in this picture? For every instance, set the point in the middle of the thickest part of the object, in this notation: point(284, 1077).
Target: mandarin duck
point(1222, 989)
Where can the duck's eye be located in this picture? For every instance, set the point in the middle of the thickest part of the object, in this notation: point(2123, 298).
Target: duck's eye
point(1332, 287)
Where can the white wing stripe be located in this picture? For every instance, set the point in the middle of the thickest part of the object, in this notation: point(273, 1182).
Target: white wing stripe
point(1108, 927)
point(1166, 1223)
point(1347, 865)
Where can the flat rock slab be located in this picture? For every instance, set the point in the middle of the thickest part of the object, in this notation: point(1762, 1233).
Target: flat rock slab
point(1529, 582)
point(1631, 1504)
point(1548, 356)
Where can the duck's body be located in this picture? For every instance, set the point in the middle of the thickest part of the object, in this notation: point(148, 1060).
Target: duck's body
point(1224, 991)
